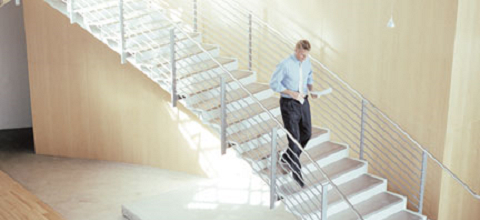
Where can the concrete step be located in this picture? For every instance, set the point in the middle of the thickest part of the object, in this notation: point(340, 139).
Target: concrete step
point(206, 90)
point(356, 190)
point(149, 48)
point(184, 57)
point(98, 18)
point(319, 136)
point(92, 6)
point(252, 137)
point(264, 151)
point(323, 154)
point(193, 75)
point(235, 99)
point(249, 116)
point(340, 172)
point(111, 12)
point(378, 207)
point(406, 215)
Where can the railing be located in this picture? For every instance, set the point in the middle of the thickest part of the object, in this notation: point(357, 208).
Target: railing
point(170, 70)
point(372, 136)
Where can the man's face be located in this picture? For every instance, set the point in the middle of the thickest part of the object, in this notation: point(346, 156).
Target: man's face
point(301, 54)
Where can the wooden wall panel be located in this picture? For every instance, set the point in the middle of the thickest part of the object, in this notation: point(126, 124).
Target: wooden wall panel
point(462, 147)
point(404, 71)
point(85, 104)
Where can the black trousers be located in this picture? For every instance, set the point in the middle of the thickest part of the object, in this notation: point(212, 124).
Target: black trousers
point(297, 120)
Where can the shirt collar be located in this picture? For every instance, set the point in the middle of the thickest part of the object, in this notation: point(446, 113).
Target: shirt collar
point(294, 58)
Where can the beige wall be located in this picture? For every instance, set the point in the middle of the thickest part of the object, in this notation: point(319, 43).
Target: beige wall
point(94, 113)
point(462, 146)
point(403, 71)
point(87, 105)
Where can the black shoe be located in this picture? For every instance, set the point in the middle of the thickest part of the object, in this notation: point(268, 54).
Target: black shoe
point(299, 180)
point(279, 198)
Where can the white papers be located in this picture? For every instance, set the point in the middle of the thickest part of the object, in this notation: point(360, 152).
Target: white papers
point(320, 93)
point(301, 99)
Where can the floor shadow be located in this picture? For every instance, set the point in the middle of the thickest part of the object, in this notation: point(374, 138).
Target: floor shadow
point(17, 141)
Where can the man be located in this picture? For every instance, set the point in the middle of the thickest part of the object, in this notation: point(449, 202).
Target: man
point(293, 79)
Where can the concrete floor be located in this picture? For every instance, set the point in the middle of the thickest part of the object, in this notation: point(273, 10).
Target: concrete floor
point(86, 189)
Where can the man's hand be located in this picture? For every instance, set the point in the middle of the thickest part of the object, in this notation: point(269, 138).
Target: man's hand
point(314, 96)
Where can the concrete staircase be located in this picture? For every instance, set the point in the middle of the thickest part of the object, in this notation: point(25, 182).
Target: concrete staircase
point(248, 132)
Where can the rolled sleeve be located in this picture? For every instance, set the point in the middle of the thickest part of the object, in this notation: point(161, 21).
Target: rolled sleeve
point(310, 78)
point(277, 77)
point(310, 74)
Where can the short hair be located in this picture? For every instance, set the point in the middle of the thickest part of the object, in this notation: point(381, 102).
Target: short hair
point(303, 44)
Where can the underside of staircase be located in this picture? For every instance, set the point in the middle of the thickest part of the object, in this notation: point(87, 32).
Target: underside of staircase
point(249, 131)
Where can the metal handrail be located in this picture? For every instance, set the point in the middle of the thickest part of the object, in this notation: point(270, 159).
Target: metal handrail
point(418, 145)
point(351, 91)
point(280, 125)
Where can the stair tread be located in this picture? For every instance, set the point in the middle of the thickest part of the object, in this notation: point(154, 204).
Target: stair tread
point(243, 114)
point(405, 215)
point(141, 29)
point(206, 65)
point(254, 132)
point(264, 151)
point(344, 166)
point(349, 189)
point(232, 96)
point(164, 59)
point(81, 8)
point(368, 207)
point(212, 83)
point(159, 42)
point(315, 178)
point(317, 152)
point(113, 20)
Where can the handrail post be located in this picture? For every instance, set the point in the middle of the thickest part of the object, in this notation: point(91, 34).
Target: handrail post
point(273, 169)
point(423, 181)
point(70, 10)
point(122, 32)
point(173, 68)
point(195, 16)
point(362, 131)
point(324, 211)
point(17, 2)
point(223, 115)
point(250, 41)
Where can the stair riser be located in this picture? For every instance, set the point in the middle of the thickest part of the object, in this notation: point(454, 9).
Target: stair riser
point(388, 211)
point(263, 140)
point(260, 165)
point(109, 21)
point(187, 81)
point(253, 120)
point(239, 104)
point(215, 92)
point(159, 36)
point(112, 12)
point(213, 73)
point(363, 196)
point(311, 193)
point(250, 121)
point(322, 162)
point(131, 23)
point(356, 199)
point(180, 45)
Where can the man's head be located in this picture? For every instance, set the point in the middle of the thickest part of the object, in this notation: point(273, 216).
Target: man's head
point(301, 50)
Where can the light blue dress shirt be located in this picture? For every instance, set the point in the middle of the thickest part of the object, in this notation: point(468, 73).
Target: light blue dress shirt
point(287, 74)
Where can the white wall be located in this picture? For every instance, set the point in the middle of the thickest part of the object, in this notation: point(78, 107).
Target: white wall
point(14, 90)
